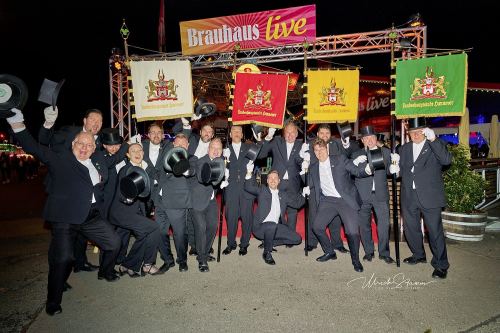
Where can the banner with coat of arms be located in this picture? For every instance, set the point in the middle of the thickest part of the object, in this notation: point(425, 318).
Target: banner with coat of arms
point(431, 87)
point(162, 89)
point(332, 95)
point(260, 99)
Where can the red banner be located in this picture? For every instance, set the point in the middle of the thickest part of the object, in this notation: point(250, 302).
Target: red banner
point(260, 99)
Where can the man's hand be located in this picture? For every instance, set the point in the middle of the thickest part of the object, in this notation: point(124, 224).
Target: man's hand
point(395, 158)
point(360, 159)
point(185, 123)
point(306, 191)
point(429, 134)
point(135, 139)
point(196, 117)
point(50, 116)
point(223, 184)
point(270, 134)
point(345, 142)
point(304, 166)
point(250, 167)
point(226, 174)
point(186, 173)
point(226, 153)
point(16, 118)
point(258, 137)
point(304, 149)
point(393, 168)
point(368, 170)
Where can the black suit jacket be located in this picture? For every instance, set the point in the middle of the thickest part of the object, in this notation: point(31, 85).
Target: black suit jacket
point(62, 139)
point(264, 198)
point(335, 147)
point(201, 193)
point(237, 171)
point(70, 198)
point(365, 184)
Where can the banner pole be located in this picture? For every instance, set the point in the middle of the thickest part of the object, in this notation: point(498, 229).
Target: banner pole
point(306, 210)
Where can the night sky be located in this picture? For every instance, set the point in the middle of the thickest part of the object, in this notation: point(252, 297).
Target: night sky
point(73, 39)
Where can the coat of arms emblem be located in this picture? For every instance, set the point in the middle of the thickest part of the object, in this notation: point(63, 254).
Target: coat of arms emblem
point(429, 86)
point(161, 89)
point(332, 95)
point(258, 98)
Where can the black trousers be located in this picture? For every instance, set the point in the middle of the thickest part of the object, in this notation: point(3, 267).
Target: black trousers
point(61, 256)
point(205, 228)
point(334, 227)
point(275, 234)
point(412, 210)
point(381, 209)
point(177, 219)
point(236, 208)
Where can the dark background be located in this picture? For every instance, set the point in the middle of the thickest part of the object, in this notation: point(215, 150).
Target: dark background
point(73, 39)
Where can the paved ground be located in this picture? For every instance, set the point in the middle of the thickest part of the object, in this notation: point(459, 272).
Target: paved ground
point(244, 294)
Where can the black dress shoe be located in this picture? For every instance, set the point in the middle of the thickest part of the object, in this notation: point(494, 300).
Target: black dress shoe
point(368, 257)
point(357, 266)
point(289, 246)
point(108, 277)
point(326, 257)
point(52, 308)
point(211, 250)
point(66, 286)
point(310, 248)
point(243, 251)
point(183, 267)
point(413, 261)
point(387, 259)
point(211, 258)
point(268, 258)
point(228, 250)
point(440, 273)
point(342, 249)
point(165, 267)
point(261, 246)
point(192, 252)
point(87, 267)
point(203, 267)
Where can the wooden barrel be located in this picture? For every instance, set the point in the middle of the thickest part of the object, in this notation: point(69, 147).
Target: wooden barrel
point(464, 227)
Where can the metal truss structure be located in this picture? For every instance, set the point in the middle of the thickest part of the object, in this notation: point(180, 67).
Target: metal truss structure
point(212, 73)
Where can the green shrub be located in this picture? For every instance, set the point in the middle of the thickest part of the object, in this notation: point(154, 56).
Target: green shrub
point(464, 188)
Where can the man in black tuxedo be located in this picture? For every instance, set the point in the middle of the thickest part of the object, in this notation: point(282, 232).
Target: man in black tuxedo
point(286, 160)
point(374, 195)
point(330, 181)
point(205, 209)
point(74, 205)
point(272, 204)
point(173, 202)
point(238, 202)
point(422, 194)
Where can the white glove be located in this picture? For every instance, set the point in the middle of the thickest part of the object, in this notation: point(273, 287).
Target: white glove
point(195, 117)
point(226, 153)
point(360, 159)
point(307, 156)
point(395, 158)
point(304, 149)
point(186, 173)
point(16, 118)
point(368, 170)
point(185, 123)
point(305, 166)
point(223, 184)
point(345, 142)
point(258, 137)
point(226, 174)
point(270, 134)
point(429, 134)
point(306, 191)
point(250, 166)
point(50, 116)
point(393, 168)
point(135, 139)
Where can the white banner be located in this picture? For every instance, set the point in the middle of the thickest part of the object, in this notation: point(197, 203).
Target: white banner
point(162, 89)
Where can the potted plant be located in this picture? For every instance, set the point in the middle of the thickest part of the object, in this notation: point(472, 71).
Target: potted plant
point(464, 190)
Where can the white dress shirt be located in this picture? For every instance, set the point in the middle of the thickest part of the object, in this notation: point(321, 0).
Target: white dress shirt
point(326, 180)
point(275, 212)
point(289, 147)
point(236, 148)
point(154, 151)
point(202, 149)
point(417, 148)
point(93, 173)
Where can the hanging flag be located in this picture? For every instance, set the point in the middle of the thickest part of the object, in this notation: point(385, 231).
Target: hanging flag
point(260, 99)
point(431, 87)
point(161, 28)
point(332, 95)
point(162, 89)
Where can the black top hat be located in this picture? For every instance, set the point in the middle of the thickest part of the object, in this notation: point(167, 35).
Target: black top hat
point(380, 137)
point(176, 161)
point(416, 123)
point(375, 159)
point(111, 136)
point(13, 94)
point(345, 129)
point(257, 129)
point(212, 172)
point(367, 131)
point(204, 108)
point(253, 152)
point(50, 91)
point(135, 183)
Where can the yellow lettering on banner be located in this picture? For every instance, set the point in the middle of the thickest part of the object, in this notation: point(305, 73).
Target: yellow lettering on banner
point(279, 29)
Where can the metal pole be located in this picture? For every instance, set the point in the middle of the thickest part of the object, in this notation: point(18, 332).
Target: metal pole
point(395, 218)
point(306, 210)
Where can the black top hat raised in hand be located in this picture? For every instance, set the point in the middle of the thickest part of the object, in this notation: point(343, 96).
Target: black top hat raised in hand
point(345, 129)
point(203, 108)
point(375, 159)
point(50, 91)
point(176, 161)
point(253, 152)
point(111, 136)
point(416, 123)
point(135, 183)
point(367, 131)
point(212, 172)
point(13, 94)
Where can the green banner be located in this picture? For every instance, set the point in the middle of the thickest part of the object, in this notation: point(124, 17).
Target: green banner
point(431, 87)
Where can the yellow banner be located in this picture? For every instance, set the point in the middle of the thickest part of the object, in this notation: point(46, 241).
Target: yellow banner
point(332, 95)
